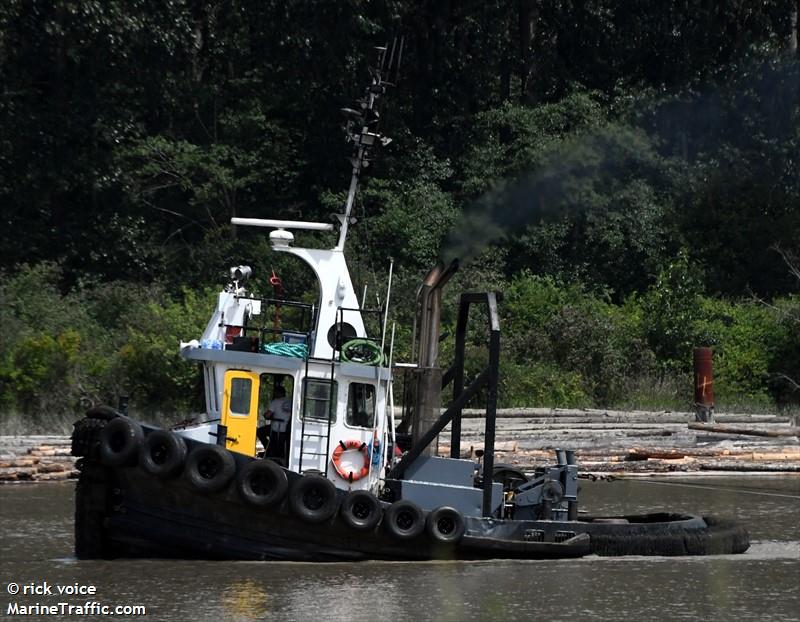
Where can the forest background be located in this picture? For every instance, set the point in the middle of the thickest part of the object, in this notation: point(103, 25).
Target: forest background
point(626, 173)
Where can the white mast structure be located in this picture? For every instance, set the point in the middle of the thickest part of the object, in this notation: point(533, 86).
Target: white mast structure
point(336, 286)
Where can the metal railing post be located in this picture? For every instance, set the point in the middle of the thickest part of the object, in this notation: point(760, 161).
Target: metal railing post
point(491, 403)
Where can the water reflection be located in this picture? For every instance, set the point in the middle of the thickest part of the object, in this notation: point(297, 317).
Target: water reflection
point(244, 601)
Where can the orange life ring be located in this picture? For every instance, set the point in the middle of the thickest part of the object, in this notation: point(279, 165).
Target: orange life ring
point(343, 446)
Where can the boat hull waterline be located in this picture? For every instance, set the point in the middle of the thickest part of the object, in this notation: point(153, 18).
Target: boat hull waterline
point(124, 511)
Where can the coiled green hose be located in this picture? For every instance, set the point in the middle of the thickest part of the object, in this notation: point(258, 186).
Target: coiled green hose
point(363, 351)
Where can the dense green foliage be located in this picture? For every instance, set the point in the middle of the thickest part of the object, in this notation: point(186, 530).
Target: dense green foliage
point(623, 171)
point(63, 352)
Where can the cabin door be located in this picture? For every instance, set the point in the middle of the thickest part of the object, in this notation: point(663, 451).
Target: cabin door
point(240, 411)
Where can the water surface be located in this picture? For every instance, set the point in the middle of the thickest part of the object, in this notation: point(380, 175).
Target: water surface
point(36, 545)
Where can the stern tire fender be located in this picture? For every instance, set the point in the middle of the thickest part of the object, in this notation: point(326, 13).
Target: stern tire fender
point(106, 413)
point(85, 440)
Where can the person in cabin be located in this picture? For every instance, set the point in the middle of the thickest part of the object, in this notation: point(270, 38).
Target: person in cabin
point(275, 435)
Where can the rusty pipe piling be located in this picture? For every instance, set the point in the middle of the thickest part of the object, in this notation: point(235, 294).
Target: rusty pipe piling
point(704, 384)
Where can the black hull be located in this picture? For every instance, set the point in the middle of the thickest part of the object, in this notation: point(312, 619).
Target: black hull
point(124, 512)
point(140, 516)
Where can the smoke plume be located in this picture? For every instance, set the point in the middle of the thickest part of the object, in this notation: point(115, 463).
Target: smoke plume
point(763, 103)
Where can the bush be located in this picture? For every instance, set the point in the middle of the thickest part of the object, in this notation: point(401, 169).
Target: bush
point(540, 384)
point(599, 345)
point(671, 310)
point(784, 364)
point(742, 335)
point(156, 376)
point(67, 351)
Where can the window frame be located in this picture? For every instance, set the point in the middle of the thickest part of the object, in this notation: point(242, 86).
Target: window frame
point(332, 399)
point(373, 415)
point(248, 401)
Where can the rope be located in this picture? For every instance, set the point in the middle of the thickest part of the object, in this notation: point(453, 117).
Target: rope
point(362, 351)
point(723, 488)
point(277, 289)
point(296, 350)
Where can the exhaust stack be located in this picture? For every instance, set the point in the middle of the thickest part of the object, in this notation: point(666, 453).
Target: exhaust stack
point(428, 389)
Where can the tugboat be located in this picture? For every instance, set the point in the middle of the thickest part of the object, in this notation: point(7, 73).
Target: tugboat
point(333, 476)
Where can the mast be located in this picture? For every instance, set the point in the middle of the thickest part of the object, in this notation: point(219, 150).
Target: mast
point(362, 122)
point(329, 265)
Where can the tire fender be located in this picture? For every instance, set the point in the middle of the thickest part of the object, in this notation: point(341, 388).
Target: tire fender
point(120, 441)
point(262, 483)
point(361, 510)
point(86, 438)
point(313, 498)
point(106, 413)
point(446, 525)
point(163, 453)
point(209, 468)
point(404, 520)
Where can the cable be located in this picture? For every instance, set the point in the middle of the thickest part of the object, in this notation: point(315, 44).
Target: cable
point(721, 488)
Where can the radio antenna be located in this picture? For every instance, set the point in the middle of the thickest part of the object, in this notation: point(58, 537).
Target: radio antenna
point(361, 124)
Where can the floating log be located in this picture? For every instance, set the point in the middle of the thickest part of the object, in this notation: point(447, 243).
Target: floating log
point(726, 429)
point(19, 462)
point(768, 457)
point(48, 452)
point(16, 473)
point(594, 414)
point(649, 433)
point(648, 454)
point(56, 477)
point(746, 468)
point(498, 446)
point(52, 467)
point(36, 459)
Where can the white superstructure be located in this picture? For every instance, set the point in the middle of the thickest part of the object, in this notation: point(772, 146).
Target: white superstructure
point(336, 377)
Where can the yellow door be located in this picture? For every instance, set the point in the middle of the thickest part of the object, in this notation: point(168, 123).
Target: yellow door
point(240, 411)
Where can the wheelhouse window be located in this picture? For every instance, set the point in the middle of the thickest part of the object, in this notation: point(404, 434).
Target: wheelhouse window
point(361, 405)
point(241, 389)
point(320, 399)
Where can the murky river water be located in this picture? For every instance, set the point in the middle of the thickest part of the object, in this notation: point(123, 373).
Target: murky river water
point(763, 584)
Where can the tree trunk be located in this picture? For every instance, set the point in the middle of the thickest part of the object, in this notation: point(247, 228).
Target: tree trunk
point(197, 49)
point(793, 34)
point(505, 76)
point(528, 23)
